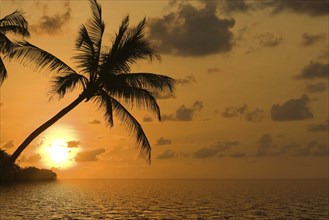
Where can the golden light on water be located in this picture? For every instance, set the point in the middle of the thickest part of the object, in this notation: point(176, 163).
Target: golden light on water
point(59, 148)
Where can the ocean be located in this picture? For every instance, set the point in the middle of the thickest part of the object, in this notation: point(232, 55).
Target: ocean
point(166, 199)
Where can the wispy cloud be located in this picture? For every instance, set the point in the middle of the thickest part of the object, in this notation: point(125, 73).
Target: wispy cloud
point(88, 156)
point(184, 113)
point(52, 24)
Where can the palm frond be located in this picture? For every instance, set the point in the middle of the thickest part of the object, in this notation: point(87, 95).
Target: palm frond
point(105, 102)
point(96, 26)
point(18, 30)
point(85, 58)
point(3, 72)
point(5, 44)
point(63, 84)
point(15, 19)
point(38, 59)
point(136, 97)
point(149, 81)
point(131, 47)
point(133, 127)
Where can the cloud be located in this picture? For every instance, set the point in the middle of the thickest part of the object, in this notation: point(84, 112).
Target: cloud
point(230, 6)
point(293, 109)
point(238, 155)
point(311, 8)
point(314, 149)
point(186, 80)
point(319, 127)
point(316, 87)
point(168, 154)
point(94, 122)
point(147, 119)
point(31, 159)
point(73, 144)
point(9, 144)
point(256, 115)
point(52, 24)
point(314, 70)
point(310, 39)
point(163, 141)
point(89, 155)
point(192, 31)
point(213, 70)
point(234, 111)
point(265, 144)
point(184, 113)
point(303, 7)
point(269, 40)
point(217, 148)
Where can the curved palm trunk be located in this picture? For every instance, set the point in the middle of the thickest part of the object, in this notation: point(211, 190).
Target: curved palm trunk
point(43, 127)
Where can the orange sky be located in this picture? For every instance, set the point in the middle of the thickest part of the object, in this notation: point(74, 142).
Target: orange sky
point(251, 98)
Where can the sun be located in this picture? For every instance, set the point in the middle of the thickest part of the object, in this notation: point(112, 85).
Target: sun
point(56, 152)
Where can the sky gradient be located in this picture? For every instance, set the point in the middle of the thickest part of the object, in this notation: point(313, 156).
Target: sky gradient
point(251, 97)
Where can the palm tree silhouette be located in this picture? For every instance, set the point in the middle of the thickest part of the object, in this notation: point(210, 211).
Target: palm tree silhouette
point(14, 23)
point(104, 75)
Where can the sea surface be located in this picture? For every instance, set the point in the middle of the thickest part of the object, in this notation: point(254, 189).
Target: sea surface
point(166, 199)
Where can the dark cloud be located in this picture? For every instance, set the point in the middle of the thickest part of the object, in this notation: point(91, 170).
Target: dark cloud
point(314, 149)
point(9, 144)
point(213, 70)
point(238, 155)
point(310, 39)
point(319, 127)
point(217, 148)
point(186, 80)
point(205, 153)
point(89, 155)
point(293, 109)
point(31, 159)
point(184, 113)
point(304, 7)
point(234, 111)
point(52, 24)
point(314, 70)
point(316, 87)
point(230, 6)
point(94, 122)
point(163, 141)
point(147, 119)
point(168, 154)
point(192, 31)
point(269, 40)
point(265, 144)
point(73, 144)
point(256, 115)
point(307, 7)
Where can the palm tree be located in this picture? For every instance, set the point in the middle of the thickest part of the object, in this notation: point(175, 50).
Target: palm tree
point(13, 23)
point(104, 76)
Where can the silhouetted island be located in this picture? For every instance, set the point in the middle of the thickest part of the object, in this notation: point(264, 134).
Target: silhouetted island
point(15, 173)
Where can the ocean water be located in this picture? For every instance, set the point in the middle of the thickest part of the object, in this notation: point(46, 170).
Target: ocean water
point(166, 199)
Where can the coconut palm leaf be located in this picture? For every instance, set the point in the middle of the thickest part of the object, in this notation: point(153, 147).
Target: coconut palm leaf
point(5, 44)
point(105, 102)
point(31, 55)
point(63, 84)
point(136, 97)
point(133, 127)
point(18, 30)
point(86, 56)
point(149, 81)
point(15, 19)
point(131, 47)
point(3, 72)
